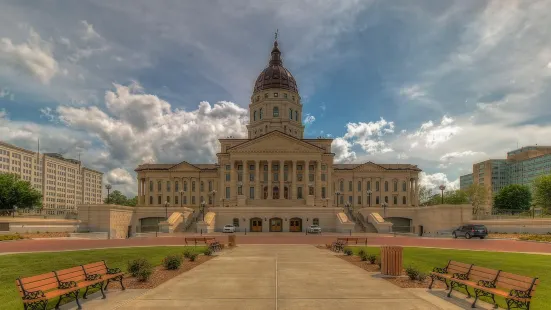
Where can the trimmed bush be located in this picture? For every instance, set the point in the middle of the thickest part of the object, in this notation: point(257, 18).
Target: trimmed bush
point(372, 258)
point(348, 252)
point(136, 265)
point(422, 276)
point(362, 252)
point(11, 237)
point(187, 253)
point(412, 272)
point(172, 262)
point(364, 257)
point(144, 273)
point(192, 257)
point(207, 252)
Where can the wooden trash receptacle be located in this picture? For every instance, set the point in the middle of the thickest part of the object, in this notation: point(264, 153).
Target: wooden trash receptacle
point(231, 240)
point(391, 260)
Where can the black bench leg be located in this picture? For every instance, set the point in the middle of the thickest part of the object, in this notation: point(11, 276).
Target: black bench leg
point(431, 282)
point(58, 302)
point(78, 302)
point(106, 284)
point(122, 285)
point(474, 302)
point(85, 293)
point(451, 288)
point(102, 292)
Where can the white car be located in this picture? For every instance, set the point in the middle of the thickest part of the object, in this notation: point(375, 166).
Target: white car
point(314, 229)
point(229, 229)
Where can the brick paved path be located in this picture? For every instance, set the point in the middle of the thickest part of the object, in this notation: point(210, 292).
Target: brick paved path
point(473, 244)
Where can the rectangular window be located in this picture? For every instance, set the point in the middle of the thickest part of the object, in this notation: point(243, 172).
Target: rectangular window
point(185, 186)
point(240, 177)
point(299, 192)
point(193, 186)
point(251, 167)
point(350, 199)
point(159, 186)
point(349, 186)
point(265, 176)
point(299, 177)
point(311, 177)
point(299, 167)
point(275, 175)
point(291, 114)
point(175, 199)
point(251, 192)
point(227, 193)
point(285, 176)
point(359, 186)
point(228, 167)
point(323, 192)
point(177, 187)
point(202, 186)
point(228, 178)
point(210, 186)
point(377, 200)
point(342, 200)
point(359, 200)
point(168, 199)
point(185, 200)
point(192, 200)
point(251, 176)
point(323, 177)
point(159, 198)
point(168, 186)
point(240, 190)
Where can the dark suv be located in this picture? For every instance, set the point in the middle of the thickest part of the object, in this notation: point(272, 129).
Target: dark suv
point(469, 231)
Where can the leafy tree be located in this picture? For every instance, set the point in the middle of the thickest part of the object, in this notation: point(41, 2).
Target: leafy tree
point(425, 195)
point(118, 198)
point(132, 202)
point(513, 197)
point(16, 192)
point(542, 191)
point(478, 195)
point(456, 197)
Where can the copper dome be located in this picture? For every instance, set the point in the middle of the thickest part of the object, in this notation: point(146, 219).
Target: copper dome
point(275, 75)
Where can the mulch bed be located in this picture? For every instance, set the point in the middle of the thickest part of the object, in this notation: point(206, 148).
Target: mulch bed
point(45, 235)
point(159, 275)
point(403, 282)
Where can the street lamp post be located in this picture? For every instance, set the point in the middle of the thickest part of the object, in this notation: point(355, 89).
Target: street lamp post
point(203, 209)
point(369, 192)
point(108, 187)
point(442, 188)
point(166, 210)
point(213, 194)
point(337, 193)
point(384, 204)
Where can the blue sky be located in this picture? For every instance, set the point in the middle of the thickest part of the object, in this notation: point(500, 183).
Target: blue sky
point(440, 84)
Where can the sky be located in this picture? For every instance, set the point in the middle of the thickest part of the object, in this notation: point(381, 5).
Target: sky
point(438, 84)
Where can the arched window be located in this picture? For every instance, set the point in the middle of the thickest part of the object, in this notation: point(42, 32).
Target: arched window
point(291, 114)
point(193, 186)
point(404, 186)
point(254, 116)
point(185, 186)
point(395, 186)
point(386, 199)
point(296, 115)
point(395, 200)
point(276, 112)
point(210, 186)
point(260, 113)
point(235, 222)
point(377, 186)
point(150, 186)
point(377, 200)
point(176, 186)
point(386, 186)
point(159, 186)
point(359, 186)
point(316, 221)
point(404, 200)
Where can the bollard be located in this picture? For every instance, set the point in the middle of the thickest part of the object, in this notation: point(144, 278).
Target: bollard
point(306, 232)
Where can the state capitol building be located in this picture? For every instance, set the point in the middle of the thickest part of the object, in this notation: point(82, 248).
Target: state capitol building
point(276, 179)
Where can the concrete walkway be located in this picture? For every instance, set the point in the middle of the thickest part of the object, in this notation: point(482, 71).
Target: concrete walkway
point(276, 277)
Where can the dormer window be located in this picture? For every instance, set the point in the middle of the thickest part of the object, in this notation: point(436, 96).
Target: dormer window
point(276, 95)
point(276, 112)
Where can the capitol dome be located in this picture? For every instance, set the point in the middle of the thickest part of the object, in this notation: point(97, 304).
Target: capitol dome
point(275, 75)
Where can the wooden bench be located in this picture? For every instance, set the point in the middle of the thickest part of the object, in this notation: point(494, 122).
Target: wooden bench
point(35, 291)
point(516, 289)
point(198, 240)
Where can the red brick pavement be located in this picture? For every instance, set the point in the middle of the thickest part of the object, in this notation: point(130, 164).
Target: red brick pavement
point(473, 244)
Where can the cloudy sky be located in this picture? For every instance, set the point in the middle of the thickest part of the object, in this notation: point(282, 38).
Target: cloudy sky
point(440, 84)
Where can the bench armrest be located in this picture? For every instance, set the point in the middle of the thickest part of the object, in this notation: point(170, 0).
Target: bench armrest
point(520, 293)
point(440, 270)
point(65, 285)
point(486, 283)
point(461, 276)
point(92, 277)
point(113, 270)
point(33, 295)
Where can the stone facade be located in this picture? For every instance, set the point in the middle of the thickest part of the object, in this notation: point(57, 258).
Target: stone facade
point(276, 172)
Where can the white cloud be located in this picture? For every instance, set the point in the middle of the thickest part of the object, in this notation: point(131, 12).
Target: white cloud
point(432, 136)
point(309, 119)
point(88, 32)
point(5, 93)
point(119, 176)
point(33, 57)
point(343, 151)
point(433, 181)
point(369, 135)
point(454, 155)
point(413, 92)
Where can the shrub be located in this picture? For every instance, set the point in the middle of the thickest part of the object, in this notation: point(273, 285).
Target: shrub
point(422, 276)
point(192, 257)
point(372, 258)
point(144, 273)
point(136, 265)
point(172, 262)
point(11, 237)
point(348, 252)
point(207, 252)
point(412, 272)
point(362, 252)
point(187, 253)
point(364, 257)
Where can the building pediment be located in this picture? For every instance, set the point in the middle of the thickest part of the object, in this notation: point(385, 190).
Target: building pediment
point(369, 166)
point(276, 142)
point(184, 166)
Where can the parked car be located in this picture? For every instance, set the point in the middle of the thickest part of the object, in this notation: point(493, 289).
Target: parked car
point(314, 229)
point(229, 228)
point(469, 231)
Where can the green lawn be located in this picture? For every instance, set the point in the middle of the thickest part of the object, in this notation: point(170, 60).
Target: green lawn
point(23, 265)
point(523, 264)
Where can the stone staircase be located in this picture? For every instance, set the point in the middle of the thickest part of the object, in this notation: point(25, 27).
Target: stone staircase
point(275, 203)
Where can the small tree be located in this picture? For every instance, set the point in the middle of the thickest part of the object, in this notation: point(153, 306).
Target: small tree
point(456, 197)
point(542, 191)
point(478, 195)
point(132, 202)
point(16, 192)
point(513, 197)
point(425, 194)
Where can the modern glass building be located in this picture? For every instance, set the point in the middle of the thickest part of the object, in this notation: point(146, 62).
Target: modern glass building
point(465, 181)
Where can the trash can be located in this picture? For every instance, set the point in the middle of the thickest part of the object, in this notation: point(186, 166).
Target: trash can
point(391, 260)
point(231, 240)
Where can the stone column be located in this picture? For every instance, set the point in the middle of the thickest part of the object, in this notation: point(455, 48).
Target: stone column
point(318, 181)
point(245, 188)
point(294, 181)
point(257, 190)
point(281, 178)
point(233, 180)
point(221, 184)
point(329, 187)
point(410, 191)
point(416, 195)
point(269, 179)
point(381, 187)
point(147, 193)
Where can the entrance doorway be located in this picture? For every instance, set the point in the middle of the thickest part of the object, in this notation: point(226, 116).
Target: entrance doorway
point(275, 224)
point(295, 225)
point(256, 225)
point(275, 193)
